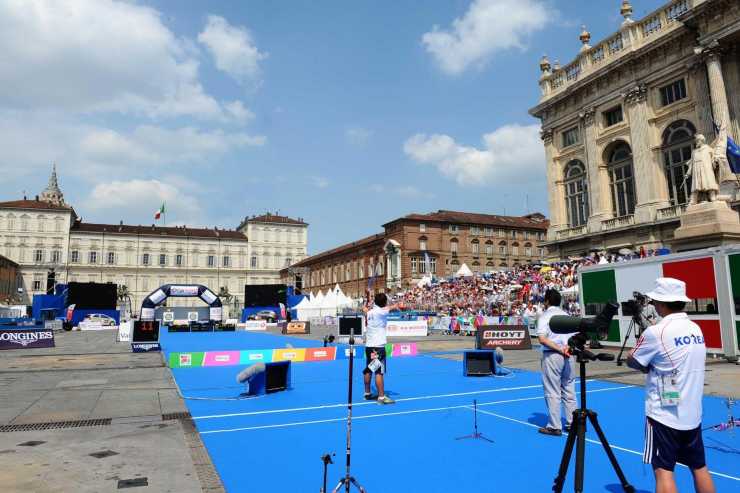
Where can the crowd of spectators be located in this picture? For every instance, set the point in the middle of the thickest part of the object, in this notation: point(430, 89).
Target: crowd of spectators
point(517, 292)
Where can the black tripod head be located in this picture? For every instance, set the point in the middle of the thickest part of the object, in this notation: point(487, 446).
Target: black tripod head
point(583, 355)
point(326, 459)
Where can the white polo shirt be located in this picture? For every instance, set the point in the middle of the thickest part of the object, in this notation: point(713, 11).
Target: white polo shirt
point(675, 343)
point(543, 327)
point(375, 332)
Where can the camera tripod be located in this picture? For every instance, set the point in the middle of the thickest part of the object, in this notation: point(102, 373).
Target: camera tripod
point(635, 322)
point(348, 479)
point(577, 433)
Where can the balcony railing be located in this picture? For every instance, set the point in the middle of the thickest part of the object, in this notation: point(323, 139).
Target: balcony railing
point(670, 212)
point(572, 232)
point(631, 37)
point(618, 222)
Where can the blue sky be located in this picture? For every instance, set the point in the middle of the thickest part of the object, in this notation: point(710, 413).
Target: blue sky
point(348, 114)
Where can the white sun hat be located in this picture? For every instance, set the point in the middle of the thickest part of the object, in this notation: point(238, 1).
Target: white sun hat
point(668, 289)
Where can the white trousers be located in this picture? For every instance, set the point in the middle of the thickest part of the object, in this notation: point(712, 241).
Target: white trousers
point(558, 375)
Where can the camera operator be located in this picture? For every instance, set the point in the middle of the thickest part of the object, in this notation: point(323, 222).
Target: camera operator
point(673, 355)
point(648, 314)
point(557, 368)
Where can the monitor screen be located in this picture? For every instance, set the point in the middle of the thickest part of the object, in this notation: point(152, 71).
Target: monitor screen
point(265, 295)
point(146, 331)
point(350, 326)
point(92, 295)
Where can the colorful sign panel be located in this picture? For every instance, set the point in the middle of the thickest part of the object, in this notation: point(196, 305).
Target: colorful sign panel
point(407, 328)
point(505, 336)
point(297, 355)
point(297, 328)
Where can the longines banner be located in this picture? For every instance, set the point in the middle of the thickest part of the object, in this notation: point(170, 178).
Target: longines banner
point(504, 336)
point(26, 338)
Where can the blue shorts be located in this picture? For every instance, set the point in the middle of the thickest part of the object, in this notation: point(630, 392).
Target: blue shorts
point(664, 446)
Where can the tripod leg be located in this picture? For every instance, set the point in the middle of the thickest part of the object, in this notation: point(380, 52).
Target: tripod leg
point(580, 450)
point(565, 459)
point(338, 487)
point(357, 485)
point(628, 488)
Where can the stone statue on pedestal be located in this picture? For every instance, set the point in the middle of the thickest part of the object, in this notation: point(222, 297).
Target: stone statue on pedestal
point(709, 168)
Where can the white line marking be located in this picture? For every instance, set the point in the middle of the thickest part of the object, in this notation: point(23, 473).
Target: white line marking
point(589, 440)
point(364, 403)
point(398, 413)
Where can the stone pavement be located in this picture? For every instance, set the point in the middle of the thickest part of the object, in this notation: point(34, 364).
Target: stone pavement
point(117, 421)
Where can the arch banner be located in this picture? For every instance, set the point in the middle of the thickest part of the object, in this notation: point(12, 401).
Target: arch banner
point(158, 296)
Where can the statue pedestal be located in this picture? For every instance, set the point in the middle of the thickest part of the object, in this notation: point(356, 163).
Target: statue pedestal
point(707, 224)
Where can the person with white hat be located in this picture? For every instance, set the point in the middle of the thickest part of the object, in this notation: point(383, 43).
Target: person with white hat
point(673, 355)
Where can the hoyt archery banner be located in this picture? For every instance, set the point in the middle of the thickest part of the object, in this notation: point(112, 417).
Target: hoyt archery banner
point(504, 336)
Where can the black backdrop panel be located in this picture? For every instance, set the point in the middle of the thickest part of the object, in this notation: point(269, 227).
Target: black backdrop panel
point(92, 295)
point(265, 294)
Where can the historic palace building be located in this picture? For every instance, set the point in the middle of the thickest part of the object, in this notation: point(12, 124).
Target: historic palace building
point(618, 124)
point(50, 244)
point(418, 245)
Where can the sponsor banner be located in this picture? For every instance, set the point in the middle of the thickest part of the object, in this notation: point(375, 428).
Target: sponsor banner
point(291, 354)
point(407, 328)
point(216, 313)
point(297, 328)
point(53, 325)
point(124, 331)
point(504, 336)
point(157, 296)
point(343, 353)
point(321, 354)
point(255, 356)
point(208, 296)
point(183, 290)
point(26, 338)
point(147, 314)
point(186, 360)
point(404, 349)
point(255, 325)
point(221, 358)
point(145, 347)
point(95, 326)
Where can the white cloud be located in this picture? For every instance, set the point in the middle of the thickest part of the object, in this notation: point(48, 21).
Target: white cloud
point(100, 56)
point(510, 154)
point(488, 27)
point(358, 136)
point(232, 48)
point(30, 141)
point(319, 181)
point(140, 198)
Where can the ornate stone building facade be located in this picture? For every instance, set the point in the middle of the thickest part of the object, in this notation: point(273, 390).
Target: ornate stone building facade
point(275, 242)
point(50, 243)
point(618, 124)
point(416, 245)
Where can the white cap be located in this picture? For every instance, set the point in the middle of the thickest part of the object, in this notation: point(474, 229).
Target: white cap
point(668, 289)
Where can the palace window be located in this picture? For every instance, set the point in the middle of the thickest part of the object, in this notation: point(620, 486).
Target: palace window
point(74, 256)
point(515, 248)
point(678, 139)
point(211, 261)
point(253, 262)
point(576, 195)
point(162, 259)
point(621, 180)
point(145, 259)
point(38, 256)
point(93, 257)
point(423, 243)
point(111, 258)
point(178, 260)
point(37, 285)
point(489, 249)
point(673, 92)
point(453, 246)
point(475, 247)
point(226, 261)
point(453, 228)
point(56, 256)
point(528, 249)
point(502, 247)
point(613, 116)
point(570, 137)
point(422, 228)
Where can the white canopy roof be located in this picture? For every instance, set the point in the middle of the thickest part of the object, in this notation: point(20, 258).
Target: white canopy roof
point(464, 271)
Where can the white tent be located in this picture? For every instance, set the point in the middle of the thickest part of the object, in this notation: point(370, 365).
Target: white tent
point(304, 309)
point(464, 271)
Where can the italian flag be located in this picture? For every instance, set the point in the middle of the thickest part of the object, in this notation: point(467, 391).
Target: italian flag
point(159, 212)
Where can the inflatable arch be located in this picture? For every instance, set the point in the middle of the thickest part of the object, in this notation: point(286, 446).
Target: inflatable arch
point(181, 291)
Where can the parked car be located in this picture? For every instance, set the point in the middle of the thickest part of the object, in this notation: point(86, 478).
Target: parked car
point(100, 318)
point(268, 315)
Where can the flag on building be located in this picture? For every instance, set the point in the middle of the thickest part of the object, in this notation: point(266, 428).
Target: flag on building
point(159, 212)
point(733, 155)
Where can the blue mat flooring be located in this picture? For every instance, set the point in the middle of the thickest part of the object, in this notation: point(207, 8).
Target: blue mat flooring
point(275, 442)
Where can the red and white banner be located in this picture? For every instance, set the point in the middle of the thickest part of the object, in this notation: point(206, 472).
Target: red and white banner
point(407, 328)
